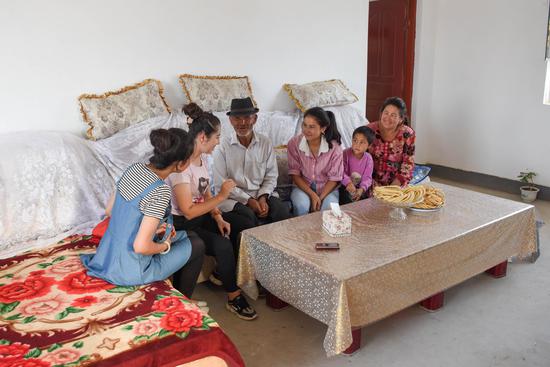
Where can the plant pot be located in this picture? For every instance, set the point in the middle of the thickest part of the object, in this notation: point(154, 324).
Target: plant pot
point(529, 193)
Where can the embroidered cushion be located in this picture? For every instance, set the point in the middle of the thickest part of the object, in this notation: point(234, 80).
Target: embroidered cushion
point(111, 112)
point(320, 94)
point(214, 93)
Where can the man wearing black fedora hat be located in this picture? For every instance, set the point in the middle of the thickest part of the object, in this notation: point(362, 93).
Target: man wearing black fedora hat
point(248, 159)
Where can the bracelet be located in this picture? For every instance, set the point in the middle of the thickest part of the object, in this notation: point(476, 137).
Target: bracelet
point(167, 243)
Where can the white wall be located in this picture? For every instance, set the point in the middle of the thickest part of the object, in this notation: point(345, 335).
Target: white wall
point(52, 51)
point(478, 86)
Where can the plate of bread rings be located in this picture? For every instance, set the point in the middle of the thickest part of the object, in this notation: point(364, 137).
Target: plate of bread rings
point(434, 199)
point(398, 197)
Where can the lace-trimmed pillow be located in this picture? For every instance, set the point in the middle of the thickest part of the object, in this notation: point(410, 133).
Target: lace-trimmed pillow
point(320, 94)
point(284, 182)
point(214, 93)
point(111, 112)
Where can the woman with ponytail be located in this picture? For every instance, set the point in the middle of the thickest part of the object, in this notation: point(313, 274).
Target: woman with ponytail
point(197, 210)
point(315, 162)
point(140, 245)
point(393, 147)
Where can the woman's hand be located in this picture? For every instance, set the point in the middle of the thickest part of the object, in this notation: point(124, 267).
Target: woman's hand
point(161, 230)
point(396, 182)
point(351, 188)
point(223, 226)
point(226, 188)
point(315, 204)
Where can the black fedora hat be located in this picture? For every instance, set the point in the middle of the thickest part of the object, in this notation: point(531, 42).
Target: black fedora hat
point(242, 107)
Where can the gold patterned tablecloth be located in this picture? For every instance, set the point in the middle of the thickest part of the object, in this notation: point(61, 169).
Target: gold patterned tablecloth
point(386, 265)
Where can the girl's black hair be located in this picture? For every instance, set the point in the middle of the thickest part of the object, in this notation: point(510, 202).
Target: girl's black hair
point(366, 132)
point(325, 119)
point(170, 146)
point(202, 121)
point(400, 105)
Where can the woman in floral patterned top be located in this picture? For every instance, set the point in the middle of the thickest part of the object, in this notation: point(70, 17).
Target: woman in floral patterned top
point(393, 146)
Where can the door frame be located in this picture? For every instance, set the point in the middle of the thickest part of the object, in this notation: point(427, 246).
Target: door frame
point(409, 56)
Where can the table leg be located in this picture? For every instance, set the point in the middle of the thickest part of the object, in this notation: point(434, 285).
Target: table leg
point(498, 271)
point(274, 302)
point(355, 342)
point(434, 302)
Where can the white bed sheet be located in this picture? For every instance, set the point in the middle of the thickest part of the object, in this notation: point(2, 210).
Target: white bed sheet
point(50, 183)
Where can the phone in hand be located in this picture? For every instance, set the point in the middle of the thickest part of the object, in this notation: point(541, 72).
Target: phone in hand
point(327, 246)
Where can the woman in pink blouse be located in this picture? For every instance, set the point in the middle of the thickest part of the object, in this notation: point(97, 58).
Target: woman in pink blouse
point(393, 146)
point(315, 162)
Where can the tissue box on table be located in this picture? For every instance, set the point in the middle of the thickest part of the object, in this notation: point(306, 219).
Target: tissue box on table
point(336, 226)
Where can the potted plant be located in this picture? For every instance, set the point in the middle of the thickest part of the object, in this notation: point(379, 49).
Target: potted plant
point(528, 192)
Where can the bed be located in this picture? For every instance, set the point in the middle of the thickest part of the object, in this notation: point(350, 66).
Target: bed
point(53, 314)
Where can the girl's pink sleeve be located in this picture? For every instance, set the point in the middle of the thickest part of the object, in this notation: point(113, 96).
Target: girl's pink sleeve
point(366, 178)
point(294, 166)
point(345, 179)
point(336, 164)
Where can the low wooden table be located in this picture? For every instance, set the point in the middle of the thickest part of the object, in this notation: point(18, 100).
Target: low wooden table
point(386, 265)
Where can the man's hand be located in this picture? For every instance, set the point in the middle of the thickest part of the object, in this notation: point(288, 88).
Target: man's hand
point(315, 204)
point(264, 207)
point(254, 205)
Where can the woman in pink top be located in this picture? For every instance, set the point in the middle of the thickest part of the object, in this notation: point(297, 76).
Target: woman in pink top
point(315, 162)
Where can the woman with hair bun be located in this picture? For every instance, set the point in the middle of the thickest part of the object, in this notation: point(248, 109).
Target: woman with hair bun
point(197, 210)
point(393, 147)
point(140, 245)
point(315, 162)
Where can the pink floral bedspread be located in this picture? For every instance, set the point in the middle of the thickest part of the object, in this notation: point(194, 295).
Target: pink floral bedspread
point(52, 314)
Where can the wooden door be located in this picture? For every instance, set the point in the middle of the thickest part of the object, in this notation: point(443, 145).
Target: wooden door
point(390, 53)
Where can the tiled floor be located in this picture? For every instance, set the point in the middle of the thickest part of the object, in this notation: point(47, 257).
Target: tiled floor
point(485, 322)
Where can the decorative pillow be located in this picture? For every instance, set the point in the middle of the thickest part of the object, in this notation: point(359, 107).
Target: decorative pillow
point(419, 174)
point(214, 93)
point(111, 112)
point(284, 183)
point(320, 94)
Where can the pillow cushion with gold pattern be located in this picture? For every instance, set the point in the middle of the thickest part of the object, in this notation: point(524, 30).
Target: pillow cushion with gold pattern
point(110, 112)
point(214, 93)
point(320, 94)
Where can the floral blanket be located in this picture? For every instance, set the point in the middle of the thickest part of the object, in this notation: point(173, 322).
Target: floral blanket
point(52, 314)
